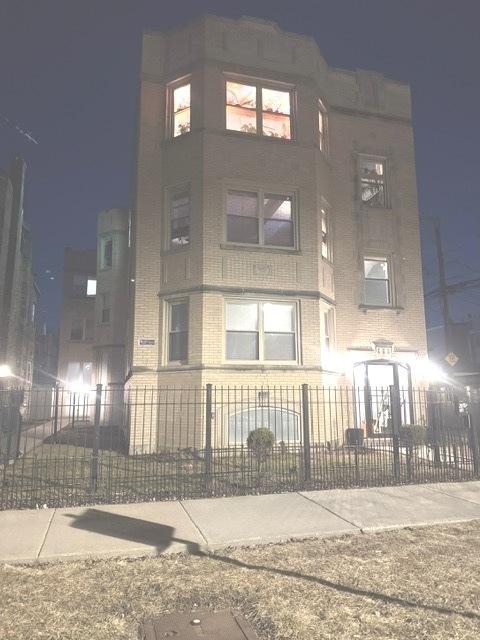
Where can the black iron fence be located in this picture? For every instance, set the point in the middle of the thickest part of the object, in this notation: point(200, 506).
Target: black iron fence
point(61, 447)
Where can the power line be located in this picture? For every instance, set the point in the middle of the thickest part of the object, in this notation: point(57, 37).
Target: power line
point(22, 132)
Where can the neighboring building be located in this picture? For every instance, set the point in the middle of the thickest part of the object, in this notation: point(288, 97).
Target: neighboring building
point(112, 301)
point(77, 320)
point(18, 291)
point(46, 357)
point(276, 232)
point(94, 311)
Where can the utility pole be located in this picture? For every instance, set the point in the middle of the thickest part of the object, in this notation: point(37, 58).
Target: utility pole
point(442, 287)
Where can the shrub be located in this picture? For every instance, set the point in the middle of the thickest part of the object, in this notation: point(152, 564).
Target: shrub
point(260, 442)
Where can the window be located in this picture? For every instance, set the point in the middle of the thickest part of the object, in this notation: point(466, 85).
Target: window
point(377, 283)
point(255, 217)
point(77, 331)
point(32, 312)
point(180, 207)
point(253, 108)
point(106, 256)
point(322, 127)
point(178, 331)
point(81, 329)
point(105, 308)
point(325, 235)
point(261, 331)
point(91, 287)
point(79, 376)
point(180, 109)
point(328, 329)
point(372, 182)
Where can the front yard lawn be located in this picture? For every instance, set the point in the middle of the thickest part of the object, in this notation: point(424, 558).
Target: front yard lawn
point(408, 584)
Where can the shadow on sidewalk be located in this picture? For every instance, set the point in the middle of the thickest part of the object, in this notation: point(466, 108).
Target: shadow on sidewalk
point(161, 536)
point(121, 527)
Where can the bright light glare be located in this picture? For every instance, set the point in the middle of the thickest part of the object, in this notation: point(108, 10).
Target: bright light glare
point(5, 371)
point(428, 370)
point(78, 387)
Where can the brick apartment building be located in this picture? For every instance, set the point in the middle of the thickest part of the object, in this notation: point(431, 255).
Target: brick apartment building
point(18, 291)
point(276, 227)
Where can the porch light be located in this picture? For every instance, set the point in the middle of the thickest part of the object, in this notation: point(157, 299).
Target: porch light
point(5, 371)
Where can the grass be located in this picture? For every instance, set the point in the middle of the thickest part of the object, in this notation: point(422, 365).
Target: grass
point(410, 584)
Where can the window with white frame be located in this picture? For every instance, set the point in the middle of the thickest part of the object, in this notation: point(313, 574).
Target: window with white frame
point(180, 210)
point(322, 127)
point(372, 181)
point(261, 331)
point(328, 329)
point(258, 217)
point(258, 108)
point(178, 331)
point(325, 235)
point(377, 281)
point(179, 104)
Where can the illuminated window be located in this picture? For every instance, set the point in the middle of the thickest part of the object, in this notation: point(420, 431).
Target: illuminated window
point(377, 281)
point(253, 108)
point(372, 182)
point(261, 331)
point(178, 331)
point(91, 287)
point(257, 217)
point(322, 127)
point(180, 219)
point(180, 109)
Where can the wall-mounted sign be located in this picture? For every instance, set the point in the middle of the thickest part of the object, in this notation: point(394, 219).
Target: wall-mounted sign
point(146, 342)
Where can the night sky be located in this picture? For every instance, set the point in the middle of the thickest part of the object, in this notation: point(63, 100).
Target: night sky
point(69, 77)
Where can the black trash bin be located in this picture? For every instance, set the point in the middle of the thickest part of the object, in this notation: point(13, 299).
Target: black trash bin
point(354, 437)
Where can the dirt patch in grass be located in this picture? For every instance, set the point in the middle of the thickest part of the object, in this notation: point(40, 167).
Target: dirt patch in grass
point(407, 584)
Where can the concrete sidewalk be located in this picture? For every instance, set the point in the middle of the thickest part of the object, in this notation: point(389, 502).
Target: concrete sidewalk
point(170, 527)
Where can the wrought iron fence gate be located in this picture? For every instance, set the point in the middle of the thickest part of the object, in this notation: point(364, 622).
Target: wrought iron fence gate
point(61, 448)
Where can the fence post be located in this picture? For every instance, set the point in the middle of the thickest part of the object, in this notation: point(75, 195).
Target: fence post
point(306, 434)
point(396, 424)
point(96, 437)
point(55, 414)
point(208, 434)
point(473, 417)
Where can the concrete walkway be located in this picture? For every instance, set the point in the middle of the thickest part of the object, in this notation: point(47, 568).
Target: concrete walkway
point(170, 527)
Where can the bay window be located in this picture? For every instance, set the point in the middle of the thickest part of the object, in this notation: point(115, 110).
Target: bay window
point(178, 331)
point(322, 127)
point(257, 217)
point(180, 207)
point(252, 107)
point(261, 331)
point(179, 101)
